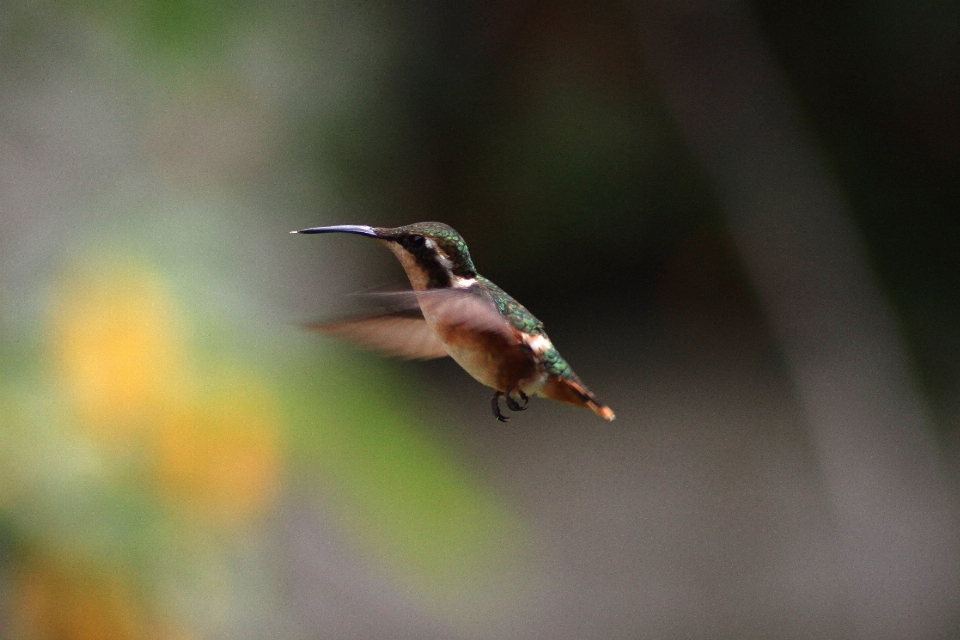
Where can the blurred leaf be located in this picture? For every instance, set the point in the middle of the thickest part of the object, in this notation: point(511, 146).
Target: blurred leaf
point(402, 494)
point(171, 29)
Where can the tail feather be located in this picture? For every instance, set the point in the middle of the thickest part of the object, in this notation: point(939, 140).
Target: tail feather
point(573, 392)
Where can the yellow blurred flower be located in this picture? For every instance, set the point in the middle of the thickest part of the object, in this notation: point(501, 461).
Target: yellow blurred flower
point(117, 347)
point(210, 442)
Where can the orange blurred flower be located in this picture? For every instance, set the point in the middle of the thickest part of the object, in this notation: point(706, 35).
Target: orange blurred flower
point(218, 457)
point(59, 602)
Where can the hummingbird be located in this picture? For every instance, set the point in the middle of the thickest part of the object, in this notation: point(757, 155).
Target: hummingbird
point(453, 310)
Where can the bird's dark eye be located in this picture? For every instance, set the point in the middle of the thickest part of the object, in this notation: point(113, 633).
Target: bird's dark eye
point(416, 241)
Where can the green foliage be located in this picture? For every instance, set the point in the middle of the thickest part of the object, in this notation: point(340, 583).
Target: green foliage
point(401, 494)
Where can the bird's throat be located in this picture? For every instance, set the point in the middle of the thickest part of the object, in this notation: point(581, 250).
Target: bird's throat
point(422, 275)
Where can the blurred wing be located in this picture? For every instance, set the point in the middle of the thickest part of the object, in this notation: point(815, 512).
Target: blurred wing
point(472, 309)
point(402, 333)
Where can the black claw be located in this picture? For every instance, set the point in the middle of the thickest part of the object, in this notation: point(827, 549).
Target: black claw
point(513, 405)
point(495, 405)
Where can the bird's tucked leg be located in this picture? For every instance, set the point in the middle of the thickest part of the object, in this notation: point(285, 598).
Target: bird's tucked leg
point(512, 403)
point(495, 405)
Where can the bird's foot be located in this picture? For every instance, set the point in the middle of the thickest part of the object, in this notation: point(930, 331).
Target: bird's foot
point(512, 403)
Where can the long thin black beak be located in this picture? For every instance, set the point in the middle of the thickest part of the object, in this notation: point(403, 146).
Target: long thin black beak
point(359, 229)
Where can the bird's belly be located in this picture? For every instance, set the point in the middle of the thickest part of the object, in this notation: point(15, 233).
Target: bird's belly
point(482, 366)
point(493, 359)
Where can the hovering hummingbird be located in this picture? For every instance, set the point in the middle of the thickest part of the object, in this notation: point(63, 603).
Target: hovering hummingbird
point(455, 311)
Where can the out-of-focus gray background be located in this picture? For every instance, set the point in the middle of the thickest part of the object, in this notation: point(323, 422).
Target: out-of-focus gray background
point(739, 222)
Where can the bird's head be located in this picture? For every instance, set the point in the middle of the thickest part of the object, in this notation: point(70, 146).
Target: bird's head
point(433, 254)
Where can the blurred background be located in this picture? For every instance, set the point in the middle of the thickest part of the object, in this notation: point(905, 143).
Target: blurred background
point(738, 221)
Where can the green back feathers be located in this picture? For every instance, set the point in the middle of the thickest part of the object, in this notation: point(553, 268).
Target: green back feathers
point(513, 311)
point(519, 317)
